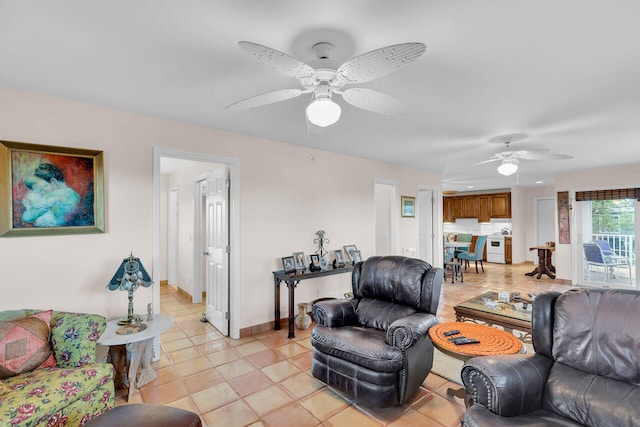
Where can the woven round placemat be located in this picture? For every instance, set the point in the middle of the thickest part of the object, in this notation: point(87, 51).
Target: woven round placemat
point(492, 341)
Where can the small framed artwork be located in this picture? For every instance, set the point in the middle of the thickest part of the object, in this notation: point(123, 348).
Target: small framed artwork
point(299, 260)
point(324, 264)
point(288, 264)
point(408, 206)
point(564, 224)
point(315, 262)
point(48, 190)
point(356, 257)
point(338, 256)
point(349, 250)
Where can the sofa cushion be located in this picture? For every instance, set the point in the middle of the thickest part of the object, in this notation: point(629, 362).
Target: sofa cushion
point(46, 396)
point(24, 345)
point(381, 314)
point(590, 399)
point(74, 337)
point(598, 333)
point(359, 345)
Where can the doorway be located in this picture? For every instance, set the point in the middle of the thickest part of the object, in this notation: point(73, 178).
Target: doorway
point(427, 209)
point(232, 166)
point(544, 217)
point(386, 218)
point(609, 227)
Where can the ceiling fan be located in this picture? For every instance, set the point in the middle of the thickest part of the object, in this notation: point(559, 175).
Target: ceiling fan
point(510, 159)
point(326, 80)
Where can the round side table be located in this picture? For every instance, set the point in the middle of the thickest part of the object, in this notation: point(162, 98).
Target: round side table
point(134, 350)
point(492, 341)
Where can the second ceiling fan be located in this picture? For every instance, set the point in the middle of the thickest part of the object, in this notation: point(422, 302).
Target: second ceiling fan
point(509, 159)
point(324, 82)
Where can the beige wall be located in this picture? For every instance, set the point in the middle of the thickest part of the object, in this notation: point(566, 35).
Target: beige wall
point(284, 199)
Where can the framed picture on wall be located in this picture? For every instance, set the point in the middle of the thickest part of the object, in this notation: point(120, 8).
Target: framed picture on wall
point(408, 206)
point(48, 190)
point(356, 256)
point(564, 226)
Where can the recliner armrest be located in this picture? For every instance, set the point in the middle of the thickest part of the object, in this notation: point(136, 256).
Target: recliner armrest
point(507, 385)
point(405, 332)
point(334, 313)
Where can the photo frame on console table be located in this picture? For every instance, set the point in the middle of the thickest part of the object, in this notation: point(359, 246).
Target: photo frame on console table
point(49, 190)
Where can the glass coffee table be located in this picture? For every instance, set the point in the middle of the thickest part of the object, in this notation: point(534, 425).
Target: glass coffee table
point(487, 309)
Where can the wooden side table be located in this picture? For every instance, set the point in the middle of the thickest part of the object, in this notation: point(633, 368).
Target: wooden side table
point(133, 351)
point(544, 262)
point(492, 341)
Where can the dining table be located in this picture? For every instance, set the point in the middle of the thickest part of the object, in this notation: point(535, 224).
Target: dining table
point(454, 263)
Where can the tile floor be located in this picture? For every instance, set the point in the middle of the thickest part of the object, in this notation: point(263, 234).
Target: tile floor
point(265, 380)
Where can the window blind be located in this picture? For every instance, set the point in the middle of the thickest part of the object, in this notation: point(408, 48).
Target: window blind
point(616, 194)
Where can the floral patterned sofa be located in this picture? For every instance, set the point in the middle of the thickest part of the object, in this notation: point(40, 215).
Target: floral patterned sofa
point(67, 387)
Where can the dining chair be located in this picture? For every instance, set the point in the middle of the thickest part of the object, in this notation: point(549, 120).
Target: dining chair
point(467, 238)
point(477, 253)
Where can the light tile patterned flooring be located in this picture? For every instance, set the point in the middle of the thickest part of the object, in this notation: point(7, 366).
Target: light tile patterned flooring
point(265, 380)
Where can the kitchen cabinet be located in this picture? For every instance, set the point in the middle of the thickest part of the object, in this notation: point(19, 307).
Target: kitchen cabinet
point(501, 205)
point(507, 250)
point(457, 208)
point(447, 212)
point(480, 206)
point(470, 206)
point(484, 208)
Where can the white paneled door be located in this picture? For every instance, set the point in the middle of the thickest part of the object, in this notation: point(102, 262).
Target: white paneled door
point(217, 254)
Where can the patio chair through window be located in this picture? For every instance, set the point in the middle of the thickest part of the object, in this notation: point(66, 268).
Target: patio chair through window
point(595, 258)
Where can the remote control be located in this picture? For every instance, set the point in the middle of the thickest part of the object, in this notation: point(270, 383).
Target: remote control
point(449, 333)
point(454, 339)
point(466, 341)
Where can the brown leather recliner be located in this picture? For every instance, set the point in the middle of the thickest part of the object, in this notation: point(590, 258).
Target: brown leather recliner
point(374, 347)
point(586, 369)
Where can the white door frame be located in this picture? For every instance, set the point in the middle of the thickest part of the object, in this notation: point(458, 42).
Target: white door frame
point(234, 229)
point(198, 278)
point(436, 226)
point(395, 214)
point(533, 255)
point(172, 235)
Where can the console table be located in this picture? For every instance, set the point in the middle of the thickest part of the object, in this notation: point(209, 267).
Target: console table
point(292, 280)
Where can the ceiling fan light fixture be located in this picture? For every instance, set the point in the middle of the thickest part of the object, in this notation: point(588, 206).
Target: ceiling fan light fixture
point(323, 112)
point(508, 167)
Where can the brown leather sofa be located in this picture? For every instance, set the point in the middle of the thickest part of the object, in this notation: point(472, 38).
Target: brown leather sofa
point(585, 370)
point(142, 415)
point(374, 347)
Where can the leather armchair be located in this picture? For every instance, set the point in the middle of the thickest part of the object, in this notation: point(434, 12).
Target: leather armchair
point(374, 347)
point(585, 370)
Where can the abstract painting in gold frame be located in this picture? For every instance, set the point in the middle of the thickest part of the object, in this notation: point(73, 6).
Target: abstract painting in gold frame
point(49, 190)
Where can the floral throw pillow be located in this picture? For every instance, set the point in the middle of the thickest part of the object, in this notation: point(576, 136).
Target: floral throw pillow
point(74, 337)
point(24, 345)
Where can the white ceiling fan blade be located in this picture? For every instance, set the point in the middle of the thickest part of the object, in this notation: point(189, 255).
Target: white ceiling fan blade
point(380, 62)
point(486, 161)
point(371, 100)
point(277, 60)
point(540, 155)
point(265, 98)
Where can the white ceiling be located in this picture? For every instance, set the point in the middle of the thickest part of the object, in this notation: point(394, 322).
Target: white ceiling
point(564, 72)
